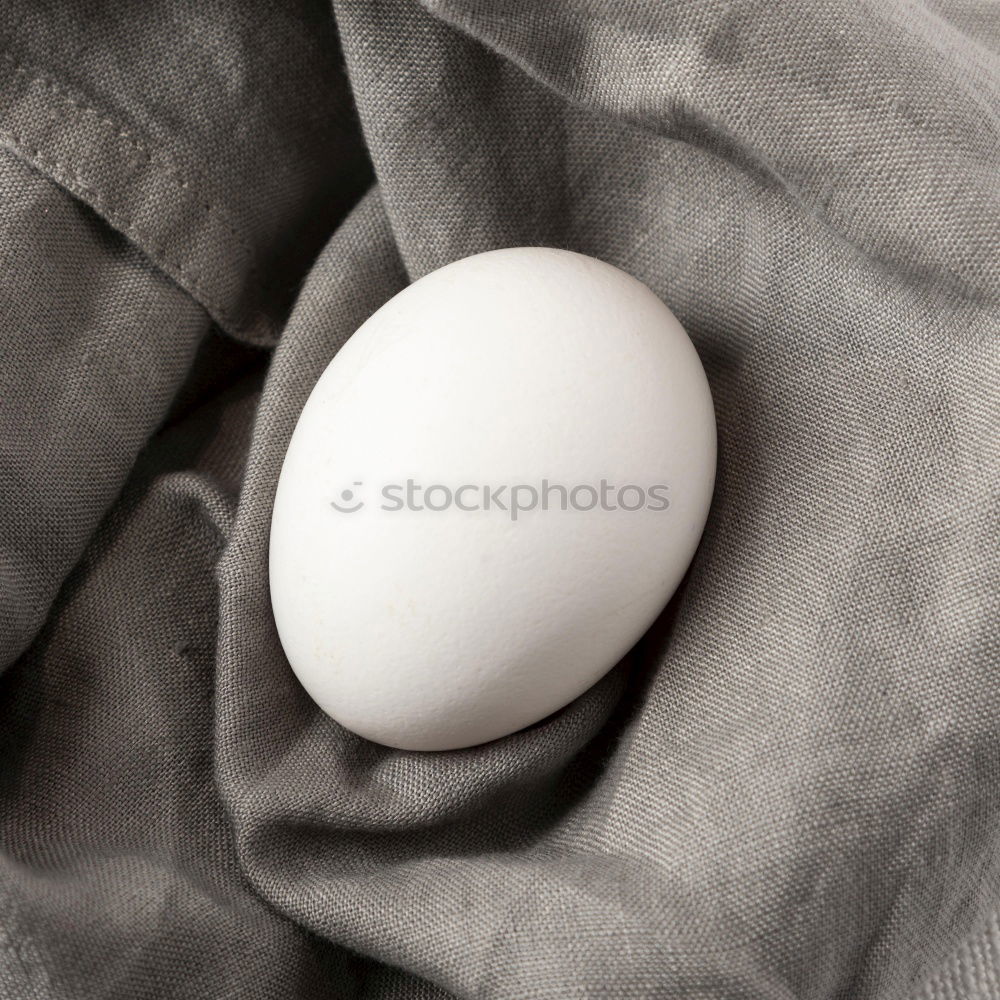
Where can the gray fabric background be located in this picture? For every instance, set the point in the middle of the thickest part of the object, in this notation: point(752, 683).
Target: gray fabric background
point(790, 788)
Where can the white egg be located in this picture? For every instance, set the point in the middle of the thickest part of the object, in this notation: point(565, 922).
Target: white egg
point(491, 493)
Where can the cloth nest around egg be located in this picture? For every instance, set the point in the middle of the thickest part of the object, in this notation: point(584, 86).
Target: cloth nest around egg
point(790, 788)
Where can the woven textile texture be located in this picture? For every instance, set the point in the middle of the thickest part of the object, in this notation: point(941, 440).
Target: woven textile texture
point(790, 788)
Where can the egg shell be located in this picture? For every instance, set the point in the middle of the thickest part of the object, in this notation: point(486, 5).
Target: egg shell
point(442, 628)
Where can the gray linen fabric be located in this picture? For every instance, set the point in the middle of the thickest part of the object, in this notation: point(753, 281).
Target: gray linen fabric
point(791, 786)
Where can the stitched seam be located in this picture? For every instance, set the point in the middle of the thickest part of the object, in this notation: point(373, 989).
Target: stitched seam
point(172, 171)
point(76, 184)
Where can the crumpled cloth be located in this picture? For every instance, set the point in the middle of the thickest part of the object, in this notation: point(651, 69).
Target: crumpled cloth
point(790, 788)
